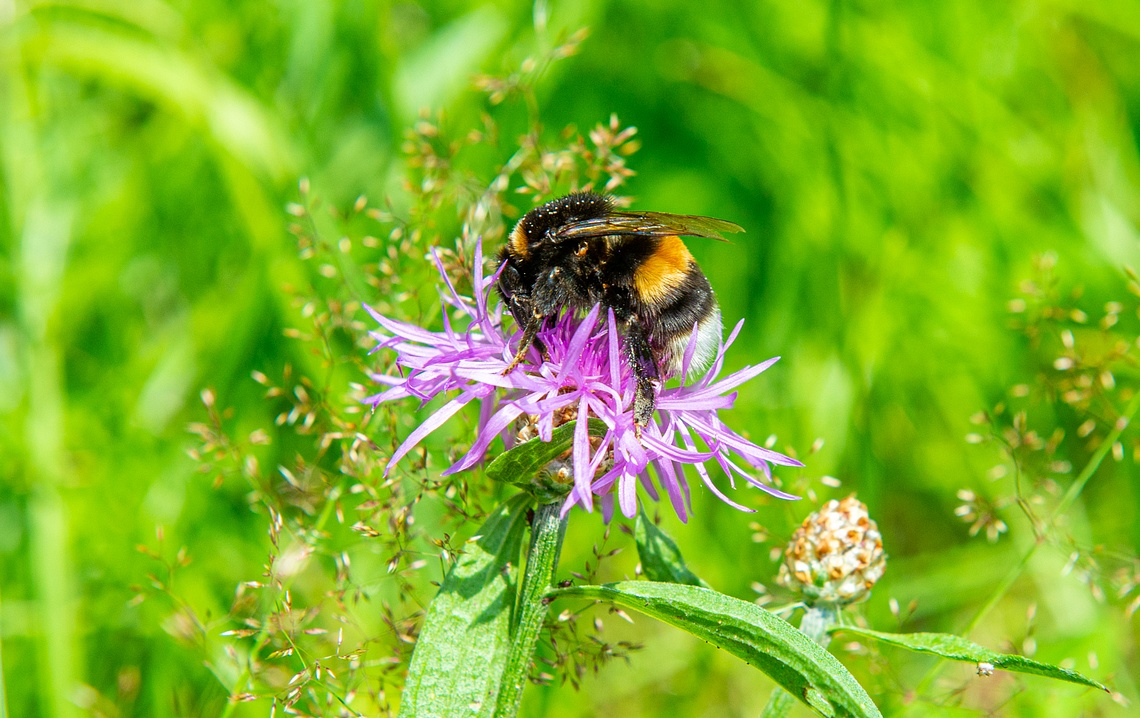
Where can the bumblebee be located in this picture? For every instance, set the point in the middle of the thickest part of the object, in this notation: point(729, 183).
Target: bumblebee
point(577, 251)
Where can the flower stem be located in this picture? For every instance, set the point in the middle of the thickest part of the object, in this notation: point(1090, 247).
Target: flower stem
point(814, 624)
point(547, 530)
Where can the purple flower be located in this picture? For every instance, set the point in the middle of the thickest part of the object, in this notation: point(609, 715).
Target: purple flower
point(586, 375)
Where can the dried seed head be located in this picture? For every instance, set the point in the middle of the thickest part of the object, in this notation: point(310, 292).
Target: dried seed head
point(835, 556)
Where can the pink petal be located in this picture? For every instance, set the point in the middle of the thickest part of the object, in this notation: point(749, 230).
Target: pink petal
point(430, 424)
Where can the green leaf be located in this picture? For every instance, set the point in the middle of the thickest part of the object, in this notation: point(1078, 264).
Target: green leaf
point(660, 558)
point(960, 649)
point(526, 464)
point(748, 632)
point(462, 648)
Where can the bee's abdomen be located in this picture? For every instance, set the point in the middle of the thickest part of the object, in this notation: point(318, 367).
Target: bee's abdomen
point(663, 271)
point(689, 302)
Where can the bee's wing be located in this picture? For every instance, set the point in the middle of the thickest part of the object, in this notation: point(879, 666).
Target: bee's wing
point(648, 224)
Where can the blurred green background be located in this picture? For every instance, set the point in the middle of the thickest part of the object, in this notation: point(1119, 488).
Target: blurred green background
point(897, 166)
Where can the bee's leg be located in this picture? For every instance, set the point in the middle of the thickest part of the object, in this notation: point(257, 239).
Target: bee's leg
point(537, 344)
point(532, 312)
point(645, 373)
point(529, 337)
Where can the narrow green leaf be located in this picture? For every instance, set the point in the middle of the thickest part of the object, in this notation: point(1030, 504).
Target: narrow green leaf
point(750, 633)
point(526, 465)
point(462, 648)
point(660, 558)
point(960, 649)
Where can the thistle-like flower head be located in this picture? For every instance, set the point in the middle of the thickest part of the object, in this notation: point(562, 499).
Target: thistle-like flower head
point(835, 556)
point(585, 375)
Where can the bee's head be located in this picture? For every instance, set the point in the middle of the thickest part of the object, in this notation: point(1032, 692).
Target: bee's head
point(539, 224)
